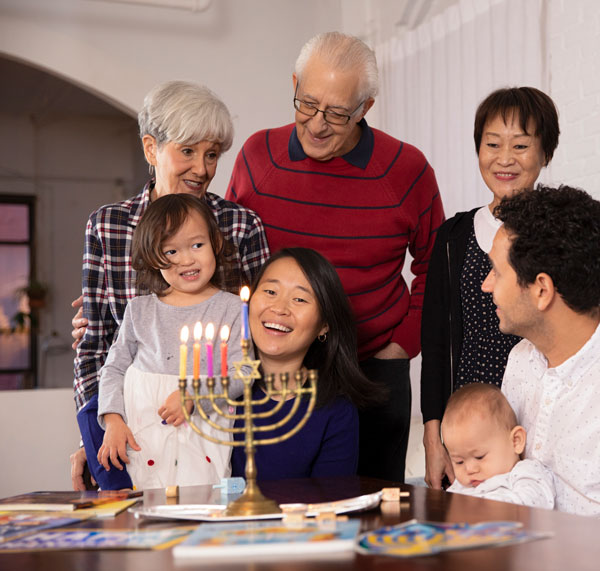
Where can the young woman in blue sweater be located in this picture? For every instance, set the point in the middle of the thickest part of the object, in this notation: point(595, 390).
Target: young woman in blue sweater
point(300, 319)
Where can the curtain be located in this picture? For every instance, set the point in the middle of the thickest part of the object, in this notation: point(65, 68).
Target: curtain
point(432, 79)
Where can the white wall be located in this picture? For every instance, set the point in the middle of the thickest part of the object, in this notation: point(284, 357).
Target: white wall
point(39, 432)
point(573, 43)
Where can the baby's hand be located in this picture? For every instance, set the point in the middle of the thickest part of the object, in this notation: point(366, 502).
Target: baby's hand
point(114, 445)
point(171, 411)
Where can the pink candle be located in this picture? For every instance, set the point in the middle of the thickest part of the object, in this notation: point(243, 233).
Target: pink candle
point(197, 337)
point(245, 296)
point(224, 337)
point(209, 334)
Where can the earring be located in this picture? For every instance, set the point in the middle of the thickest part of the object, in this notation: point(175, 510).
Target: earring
point(151, 170)
point(322, 338)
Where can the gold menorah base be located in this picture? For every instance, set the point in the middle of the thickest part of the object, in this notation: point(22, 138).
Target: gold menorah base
point(251, 502)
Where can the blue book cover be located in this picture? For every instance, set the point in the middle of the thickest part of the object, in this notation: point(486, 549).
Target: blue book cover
point(268, 538)
point(14, 525)
point(96, 539)
point(414, 538)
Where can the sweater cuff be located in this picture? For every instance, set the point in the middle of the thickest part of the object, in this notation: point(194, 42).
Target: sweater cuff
point(408, 335)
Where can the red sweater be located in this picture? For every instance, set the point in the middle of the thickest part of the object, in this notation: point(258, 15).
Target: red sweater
point(361, 219)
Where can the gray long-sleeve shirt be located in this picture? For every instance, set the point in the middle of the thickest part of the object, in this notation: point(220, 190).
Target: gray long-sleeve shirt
point(149, 339)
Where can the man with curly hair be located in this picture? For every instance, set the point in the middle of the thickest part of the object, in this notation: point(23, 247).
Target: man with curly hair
point(545, 282)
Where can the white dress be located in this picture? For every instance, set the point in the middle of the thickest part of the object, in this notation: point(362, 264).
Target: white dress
point(170, 455)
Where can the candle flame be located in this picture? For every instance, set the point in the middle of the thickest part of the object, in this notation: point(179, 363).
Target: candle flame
point(245, 294)
point(209, 332)
point(198, 331)
point(224, 333)
point(185, 333)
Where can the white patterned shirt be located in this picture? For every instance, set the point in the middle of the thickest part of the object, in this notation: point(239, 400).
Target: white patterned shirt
point(529, 483)
point(560, 410)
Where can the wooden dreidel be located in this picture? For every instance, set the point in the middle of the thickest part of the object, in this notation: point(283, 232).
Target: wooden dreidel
point(326, 520)
point(393, 494)
point(294, 516)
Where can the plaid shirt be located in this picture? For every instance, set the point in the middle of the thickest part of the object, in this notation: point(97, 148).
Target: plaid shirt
point(109, 279)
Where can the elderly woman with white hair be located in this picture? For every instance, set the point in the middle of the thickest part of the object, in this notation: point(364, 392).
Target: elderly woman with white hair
point(184, 129)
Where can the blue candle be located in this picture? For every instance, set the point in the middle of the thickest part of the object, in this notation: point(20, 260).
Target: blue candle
point(245, 296)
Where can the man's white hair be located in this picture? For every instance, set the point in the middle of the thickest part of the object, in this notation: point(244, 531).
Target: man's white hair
point(343, 52)
point(185, 113)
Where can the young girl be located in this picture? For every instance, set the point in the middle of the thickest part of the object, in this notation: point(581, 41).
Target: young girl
point(177, 253)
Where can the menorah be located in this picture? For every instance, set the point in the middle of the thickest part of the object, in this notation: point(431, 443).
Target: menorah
point(252, 501)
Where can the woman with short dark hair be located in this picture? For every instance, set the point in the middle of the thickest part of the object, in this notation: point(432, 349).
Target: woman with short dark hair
point(516, 132)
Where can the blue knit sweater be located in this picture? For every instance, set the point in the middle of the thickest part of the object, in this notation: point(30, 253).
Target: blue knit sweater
point(327, 445)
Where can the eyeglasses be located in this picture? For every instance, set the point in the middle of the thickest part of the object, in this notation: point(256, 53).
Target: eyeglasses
point(331, 117)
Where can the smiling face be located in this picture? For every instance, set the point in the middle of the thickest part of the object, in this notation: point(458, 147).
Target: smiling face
point(193, 264)
point(284, 316)
point(181, 168)
point(479, 447)
point(515, 305)
point(329, 90)
point(509, 159)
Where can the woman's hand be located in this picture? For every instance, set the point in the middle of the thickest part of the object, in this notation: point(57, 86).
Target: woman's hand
point(437, 461)
point(116, 438)
point(78, 461)
point(171, 411)
point(78, 322)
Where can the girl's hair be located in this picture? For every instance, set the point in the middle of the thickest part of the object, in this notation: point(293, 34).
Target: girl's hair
point(163, 218)
point(335, 359)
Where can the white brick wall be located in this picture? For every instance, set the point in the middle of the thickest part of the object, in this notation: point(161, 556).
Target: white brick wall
point(573, 47)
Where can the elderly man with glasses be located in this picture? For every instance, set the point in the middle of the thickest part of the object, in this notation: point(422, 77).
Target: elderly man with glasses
point(362, 199)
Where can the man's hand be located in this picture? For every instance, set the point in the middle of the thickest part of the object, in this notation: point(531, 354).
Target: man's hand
point(171, 411)
point(78, 322)
point(78, 461)
point(392, 351)
point(116, 438)
point(437, 461)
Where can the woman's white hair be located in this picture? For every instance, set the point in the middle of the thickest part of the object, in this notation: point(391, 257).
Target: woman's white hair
point(342, 52)
point(185, 113)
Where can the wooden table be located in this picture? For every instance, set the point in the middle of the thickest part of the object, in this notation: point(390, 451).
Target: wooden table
point(575, 545)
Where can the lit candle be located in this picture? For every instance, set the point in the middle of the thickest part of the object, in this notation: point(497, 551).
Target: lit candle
point(197, 337)
point(210, 333)
point(224, 337)
point(185, 333)
point(245, 296)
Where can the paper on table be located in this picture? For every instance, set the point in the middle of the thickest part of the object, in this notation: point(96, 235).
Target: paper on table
point(212, 512)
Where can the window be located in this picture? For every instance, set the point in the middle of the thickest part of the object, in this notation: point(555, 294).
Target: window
point(17, 320)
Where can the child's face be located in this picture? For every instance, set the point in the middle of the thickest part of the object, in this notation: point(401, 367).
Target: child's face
point(192, 258)
point(479, 448)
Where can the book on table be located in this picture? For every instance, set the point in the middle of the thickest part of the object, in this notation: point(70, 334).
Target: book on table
point(267, 539)
point(14, 525)
point(63, 501)
point(76, 537)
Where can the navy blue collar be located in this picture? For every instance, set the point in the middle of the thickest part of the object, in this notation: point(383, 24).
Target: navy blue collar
point(359, 156)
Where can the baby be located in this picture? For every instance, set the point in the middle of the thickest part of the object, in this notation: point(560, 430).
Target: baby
point(484, 441)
